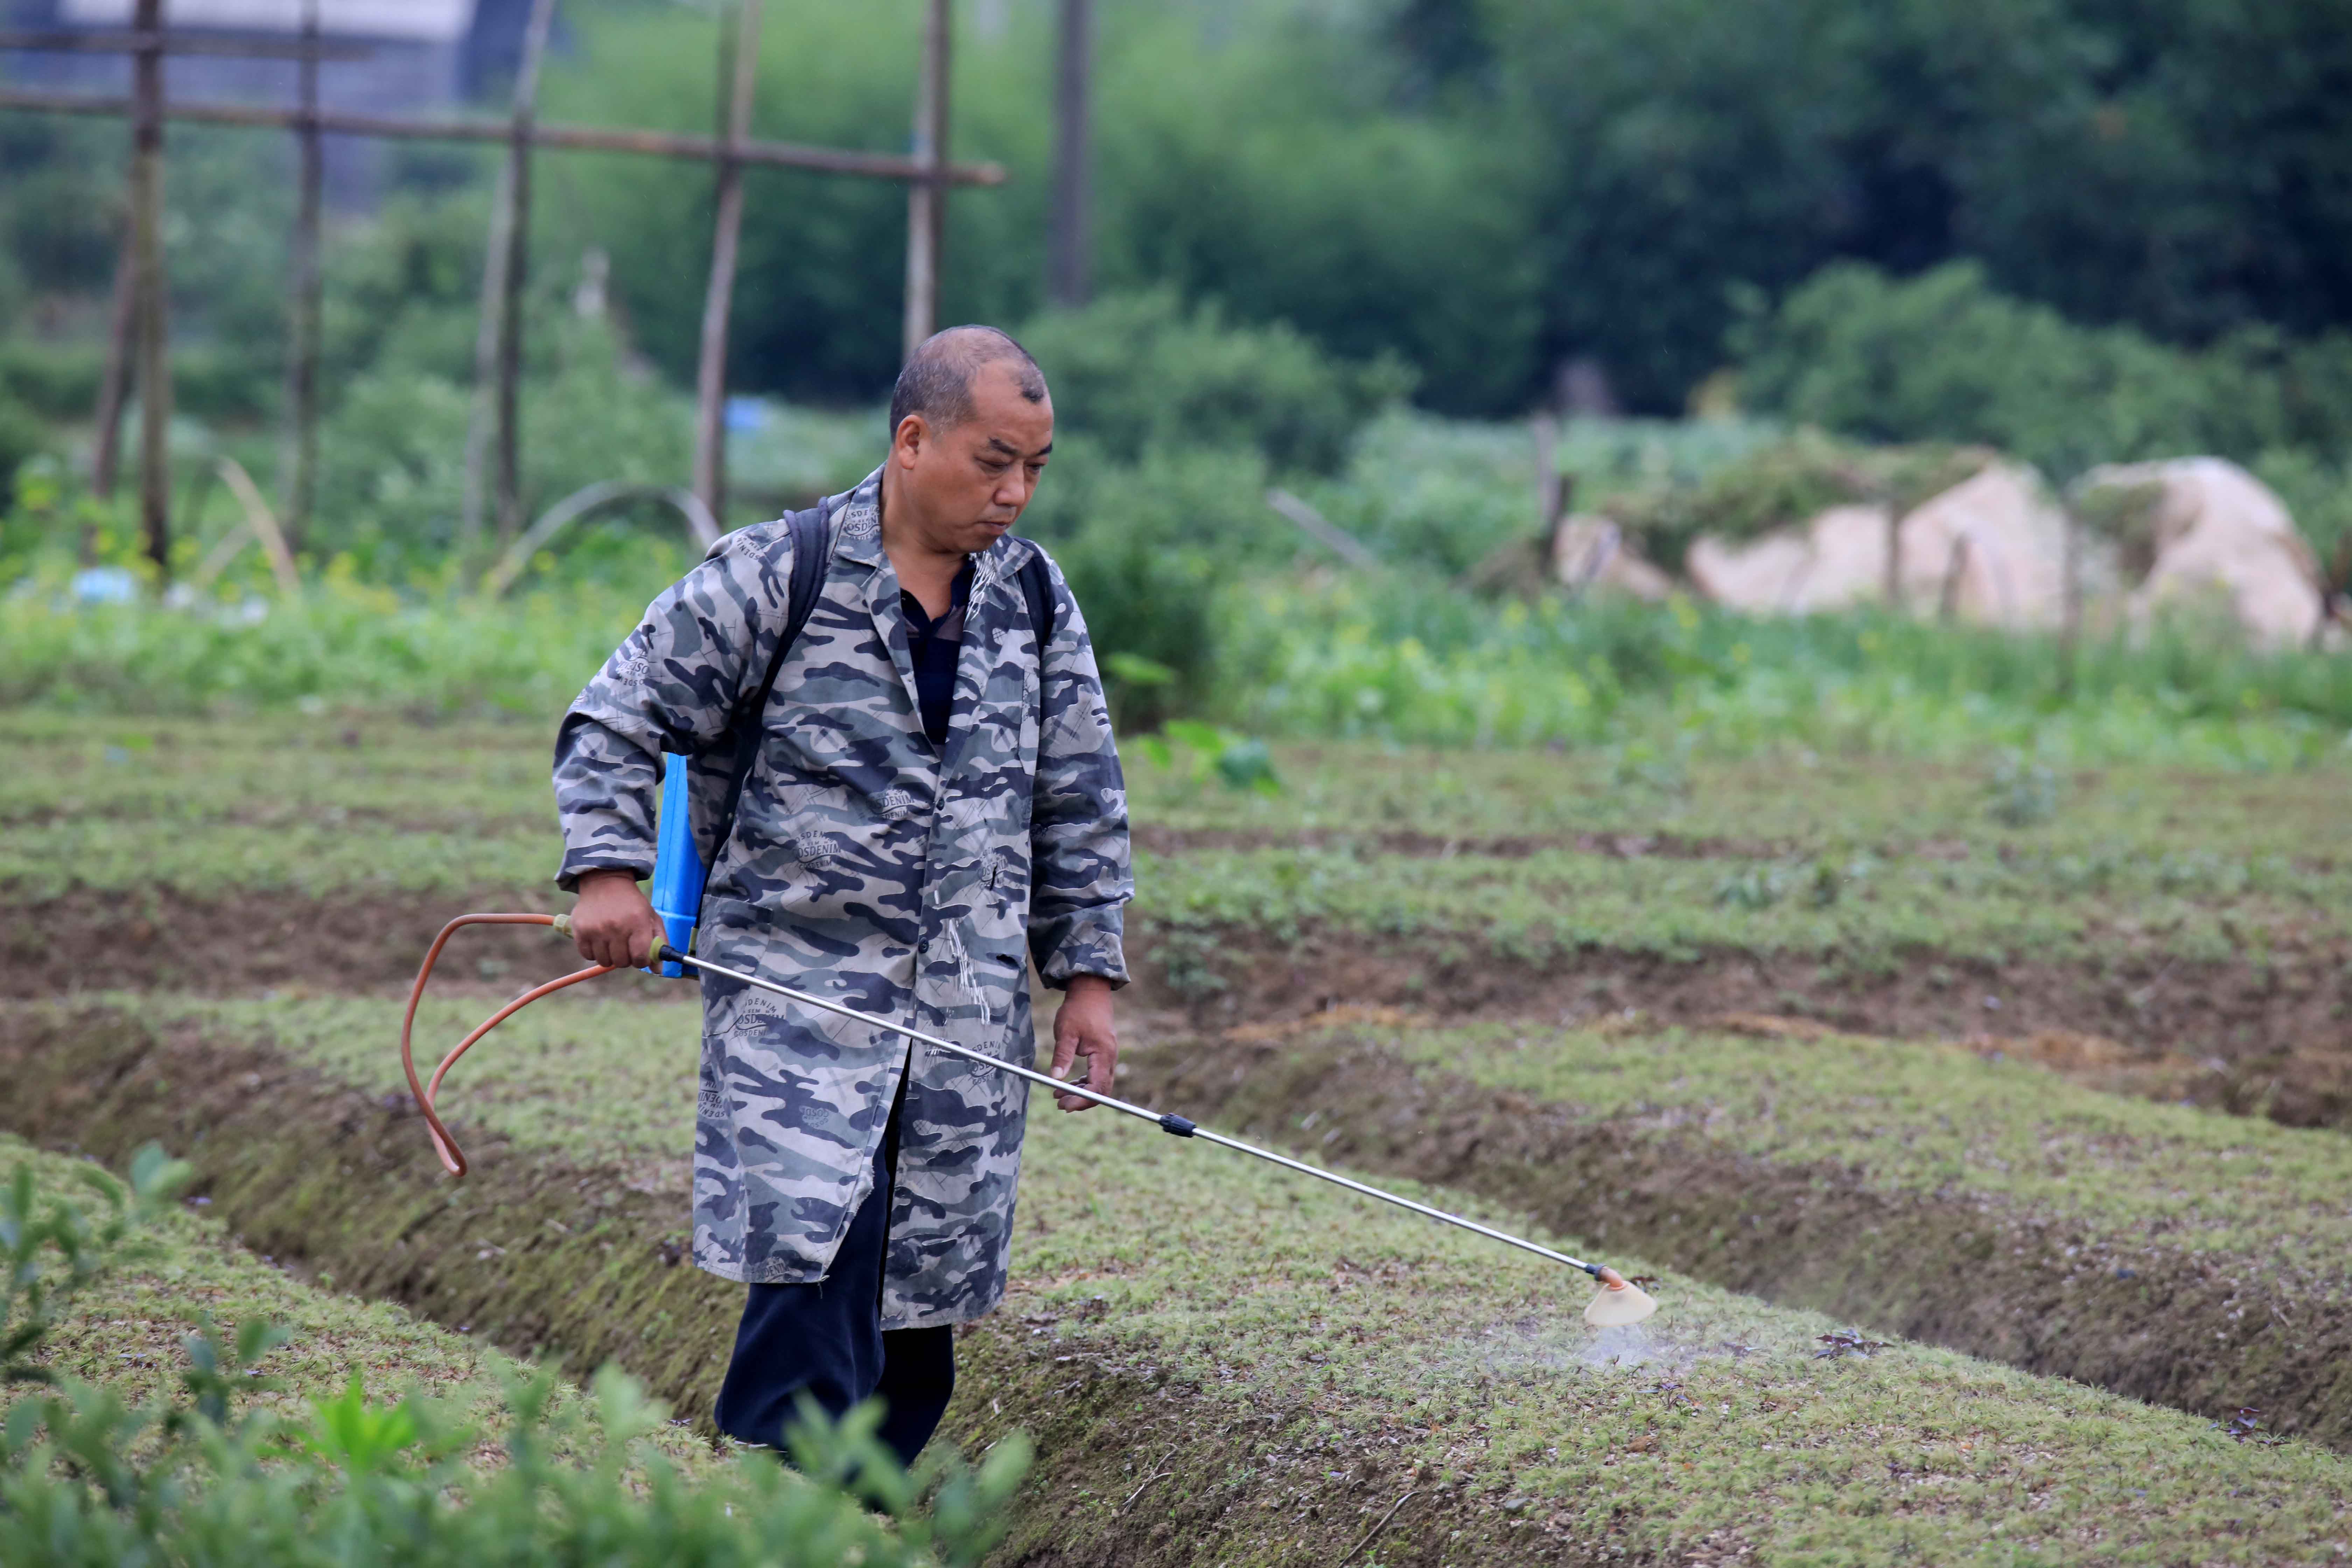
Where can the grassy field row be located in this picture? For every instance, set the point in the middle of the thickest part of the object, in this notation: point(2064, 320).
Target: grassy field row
point(2180, 1256)
point(125, 1333)
point(2196, 1258)
point(492, 779)
point(1530, 854)
point(1222, 1364)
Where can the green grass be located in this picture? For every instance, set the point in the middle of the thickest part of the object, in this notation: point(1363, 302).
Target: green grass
point(1398, 657)
point(1846, 907)
point(1865, 859)
point(124, 1333)
point(1394, 657)
point(1382, 1349)
point(315, 807)
point(1937, 1121)
point(1474, 1361)
point(522, 1080)
point(1795, 799)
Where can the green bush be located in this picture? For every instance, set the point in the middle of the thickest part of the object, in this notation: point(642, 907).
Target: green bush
point(22, 439)
point(1252, 160)
point(89, 1481)
point(1424, 492)
point(1147, 546)
point(394, 452)
point(1140, 370)
point(60, 380)
point(57, 381)
point(1944, 357)
point(341, 644)
point(1378, 655)
point(1391, 658)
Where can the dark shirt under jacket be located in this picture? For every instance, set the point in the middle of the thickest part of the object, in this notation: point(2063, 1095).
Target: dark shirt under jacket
point(935, 646)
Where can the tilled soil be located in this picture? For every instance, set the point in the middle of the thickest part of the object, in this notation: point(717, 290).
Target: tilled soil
point(2274, 1038)
point(2202, 1331)
point(546, 1256)
point(588, 1263)
point(244, 942)
point(1502, 846)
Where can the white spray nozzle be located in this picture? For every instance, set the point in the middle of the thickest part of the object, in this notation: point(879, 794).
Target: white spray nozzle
point(1618, 1302)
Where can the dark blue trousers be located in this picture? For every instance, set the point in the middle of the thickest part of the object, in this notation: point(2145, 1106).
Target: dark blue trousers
point(826, 1340)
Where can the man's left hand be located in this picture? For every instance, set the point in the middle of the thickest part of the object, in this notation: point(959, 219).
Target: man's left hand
point(1083, 1028)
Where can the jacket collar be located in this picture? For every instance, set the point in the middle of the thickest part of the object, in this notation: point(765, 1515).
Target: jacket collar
point(857, 537)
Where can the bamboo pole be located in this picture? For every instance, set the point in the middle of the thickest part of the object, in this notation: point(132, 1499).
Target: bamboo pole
point(47, 41)
point(564, 138)
point(718, 300)
point(264, 527)
point(155, 376)
point(2070, 621)
point(926, 199)
point(114, 381)
point(1546, 428)
point(299, 465)
point(486, 368)
point(1067, 247)
point(517, 270)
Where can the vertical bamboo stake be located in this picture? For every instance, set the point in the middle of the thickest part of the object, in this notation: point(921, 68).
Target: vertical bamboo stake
point(926, 199)
point(299, 465)
point(1546, 434)
point(114, 382)
point(155, 376)
point(1067, 242)
point(718, 300)
point(486, 370)
point(2070, 591)
point(516, 269)
point(1893, 550)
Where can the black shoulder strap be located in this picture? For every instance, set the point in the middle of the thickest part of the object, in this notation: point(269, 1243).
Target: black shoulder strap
point(812, 555)
point(1037, 587)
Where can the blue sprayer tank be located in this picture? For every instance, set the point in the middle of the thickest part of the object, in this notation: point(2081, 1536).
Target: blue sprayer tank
point(678, 870)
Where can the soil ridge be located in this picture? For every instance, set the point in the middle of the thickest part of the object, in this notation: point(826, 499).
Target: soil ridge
point(2265, 1039)
point(2262, 1038)
point(586, 1263)
point(2199, 1332)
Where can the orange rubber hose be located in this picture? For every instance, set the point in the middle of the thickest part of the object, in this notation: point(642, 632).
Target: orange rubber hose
point(444, 1144)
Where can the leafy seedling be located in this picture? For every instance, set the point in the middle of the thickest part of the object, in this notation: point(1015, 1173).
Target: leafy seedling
point(2246, 1426)
point(1841, 1342)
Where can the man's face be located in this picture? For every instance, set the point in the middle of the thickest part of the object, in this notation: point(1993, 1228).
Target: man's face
point(970, 483)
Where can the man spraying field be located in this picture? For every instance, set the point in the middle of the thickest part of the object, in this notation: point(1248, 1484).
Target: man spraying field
point(931, 798)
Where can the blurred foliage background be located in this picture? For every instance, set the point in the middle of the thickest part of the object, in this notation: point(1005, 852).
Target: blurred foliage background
point(1476, 188)
point(1337, 244)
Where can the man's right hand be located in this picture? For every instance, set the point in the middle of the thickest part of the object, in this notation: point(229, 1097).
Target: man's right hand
point(613, 923)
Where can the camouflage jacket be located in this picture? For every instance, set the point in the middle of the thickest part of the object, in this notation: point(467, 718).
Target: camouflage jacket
point(867, 866)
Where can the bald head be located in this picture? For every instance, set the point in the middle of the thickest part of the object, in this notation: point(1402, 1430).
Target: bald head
point(970, 428)
point(937, 378)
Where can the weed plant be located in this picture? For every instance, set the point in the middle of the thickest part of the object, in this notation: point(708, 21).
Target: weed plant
point(1385, 660)
point(1397, 660)
point(90, 1479)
